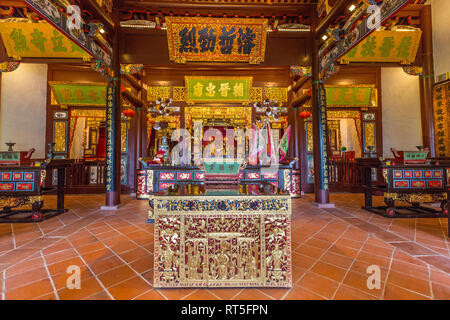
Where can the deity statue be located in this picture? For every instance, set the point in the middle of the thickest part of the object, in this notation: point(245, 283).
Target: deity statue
point(276, 258)
point(195, 262)
point(222, 260)
point(168, 258)
point(251, 267)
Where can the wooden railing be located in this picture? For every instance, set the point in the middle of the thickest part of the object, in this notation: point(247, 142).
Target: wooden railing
point(347, 175)
point(344, 175)
point(83, 176)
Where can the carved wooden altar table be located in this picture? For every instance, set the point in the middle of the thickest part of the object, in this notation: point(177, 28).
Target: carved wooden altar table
point(26, 185)
point(415, 184)
point(222, 236)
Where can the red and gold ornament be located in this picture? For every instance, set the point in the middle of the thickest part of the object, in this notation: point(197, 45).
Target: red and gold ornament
point(305, 114)
point(128, 113)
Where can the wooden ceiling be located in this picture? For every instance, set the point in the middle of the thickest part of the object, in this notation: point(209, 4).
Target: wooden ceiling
point(243, 8)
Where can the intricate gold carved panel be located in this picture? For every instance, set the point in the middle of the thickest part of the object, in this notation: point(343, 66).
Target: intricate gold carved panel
point(123, 136)
point(369, 134)
point(89, 113)
point(256, 94)
point(200, 246)
point(60, 136)
point(179, 94)
point(276, 93)
point(153, 93)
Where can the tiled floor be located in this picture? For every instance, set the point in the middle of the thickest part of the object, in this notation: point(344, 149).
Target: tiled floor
point(331, 252)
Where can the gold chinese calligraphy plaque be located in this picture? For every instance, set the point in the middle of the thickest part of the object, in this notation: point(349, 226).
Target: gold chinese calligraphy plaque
point(200, 243)
point(218, 89)
point(216, 39)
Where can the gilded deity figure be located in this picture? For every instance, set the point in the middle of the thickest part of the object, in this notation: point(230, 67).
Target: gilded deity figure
point(168, 255)
point(276, 258)
point(195, 262)
point(250, 266)
point(252, 274)
point(222, 264)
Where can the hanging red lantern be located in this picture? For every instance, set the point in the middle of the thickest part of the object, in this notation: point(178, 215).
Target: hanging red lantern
point(128, 113)
point(309, 92)
point(305, 114)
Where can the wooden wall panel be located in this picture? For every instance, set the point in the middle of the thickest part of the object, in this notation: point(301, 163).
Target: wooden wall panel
point(150, 47)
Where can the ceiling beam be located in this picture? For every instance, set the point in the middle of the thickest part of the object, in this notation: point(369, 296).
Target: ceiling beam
point(12, 3)
point(99, 13)
point(250, 9)
point(337, 10)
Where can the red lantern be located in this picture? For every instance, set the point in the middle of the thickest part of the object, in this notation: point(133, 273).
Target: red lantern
point(128, 113)
point(305, 114)
point(309, 92)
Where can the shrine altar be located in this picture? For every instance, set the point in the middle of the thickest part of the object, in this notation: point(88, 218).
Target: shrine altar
point(415, 184)
point(222, 236)
point(155, 178)
point(25, 185)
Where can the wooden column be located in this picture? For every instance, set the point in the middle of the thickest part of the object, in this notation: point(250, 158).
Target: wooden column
point(113, 121)
point(427, 80)
point(320, 132)
point(291, 120)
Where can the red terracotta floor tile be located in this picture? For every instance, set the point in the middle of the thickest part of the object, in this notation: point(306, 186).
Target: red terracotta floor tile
point(225, 293)
point(133, 254)
point(143, 264)
point(150, 295)
point(129, 289)
point(299, 293)
point(441, 292)
point(443, 263)
point(417, 285)
point(349, 293)
point(337, 260)
point(26, 278)
point(62, 266)
point(440, 277)
point(330, 271)
point(105, 264)
point(49, 296)
point(60, 279)
point(413, 248)
point(33, 290)
point(175, 293)
point(102, 295)
point(88, 288)
point(114, 276)
point(329, 246)
point(275, 293)
point(60, 256)
point(393, 292)
point(318, 284)
point(358, 281)
point(90, 247)
point(24, 266)
point(251, 294)
point(302, 261)
point(201, 294)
